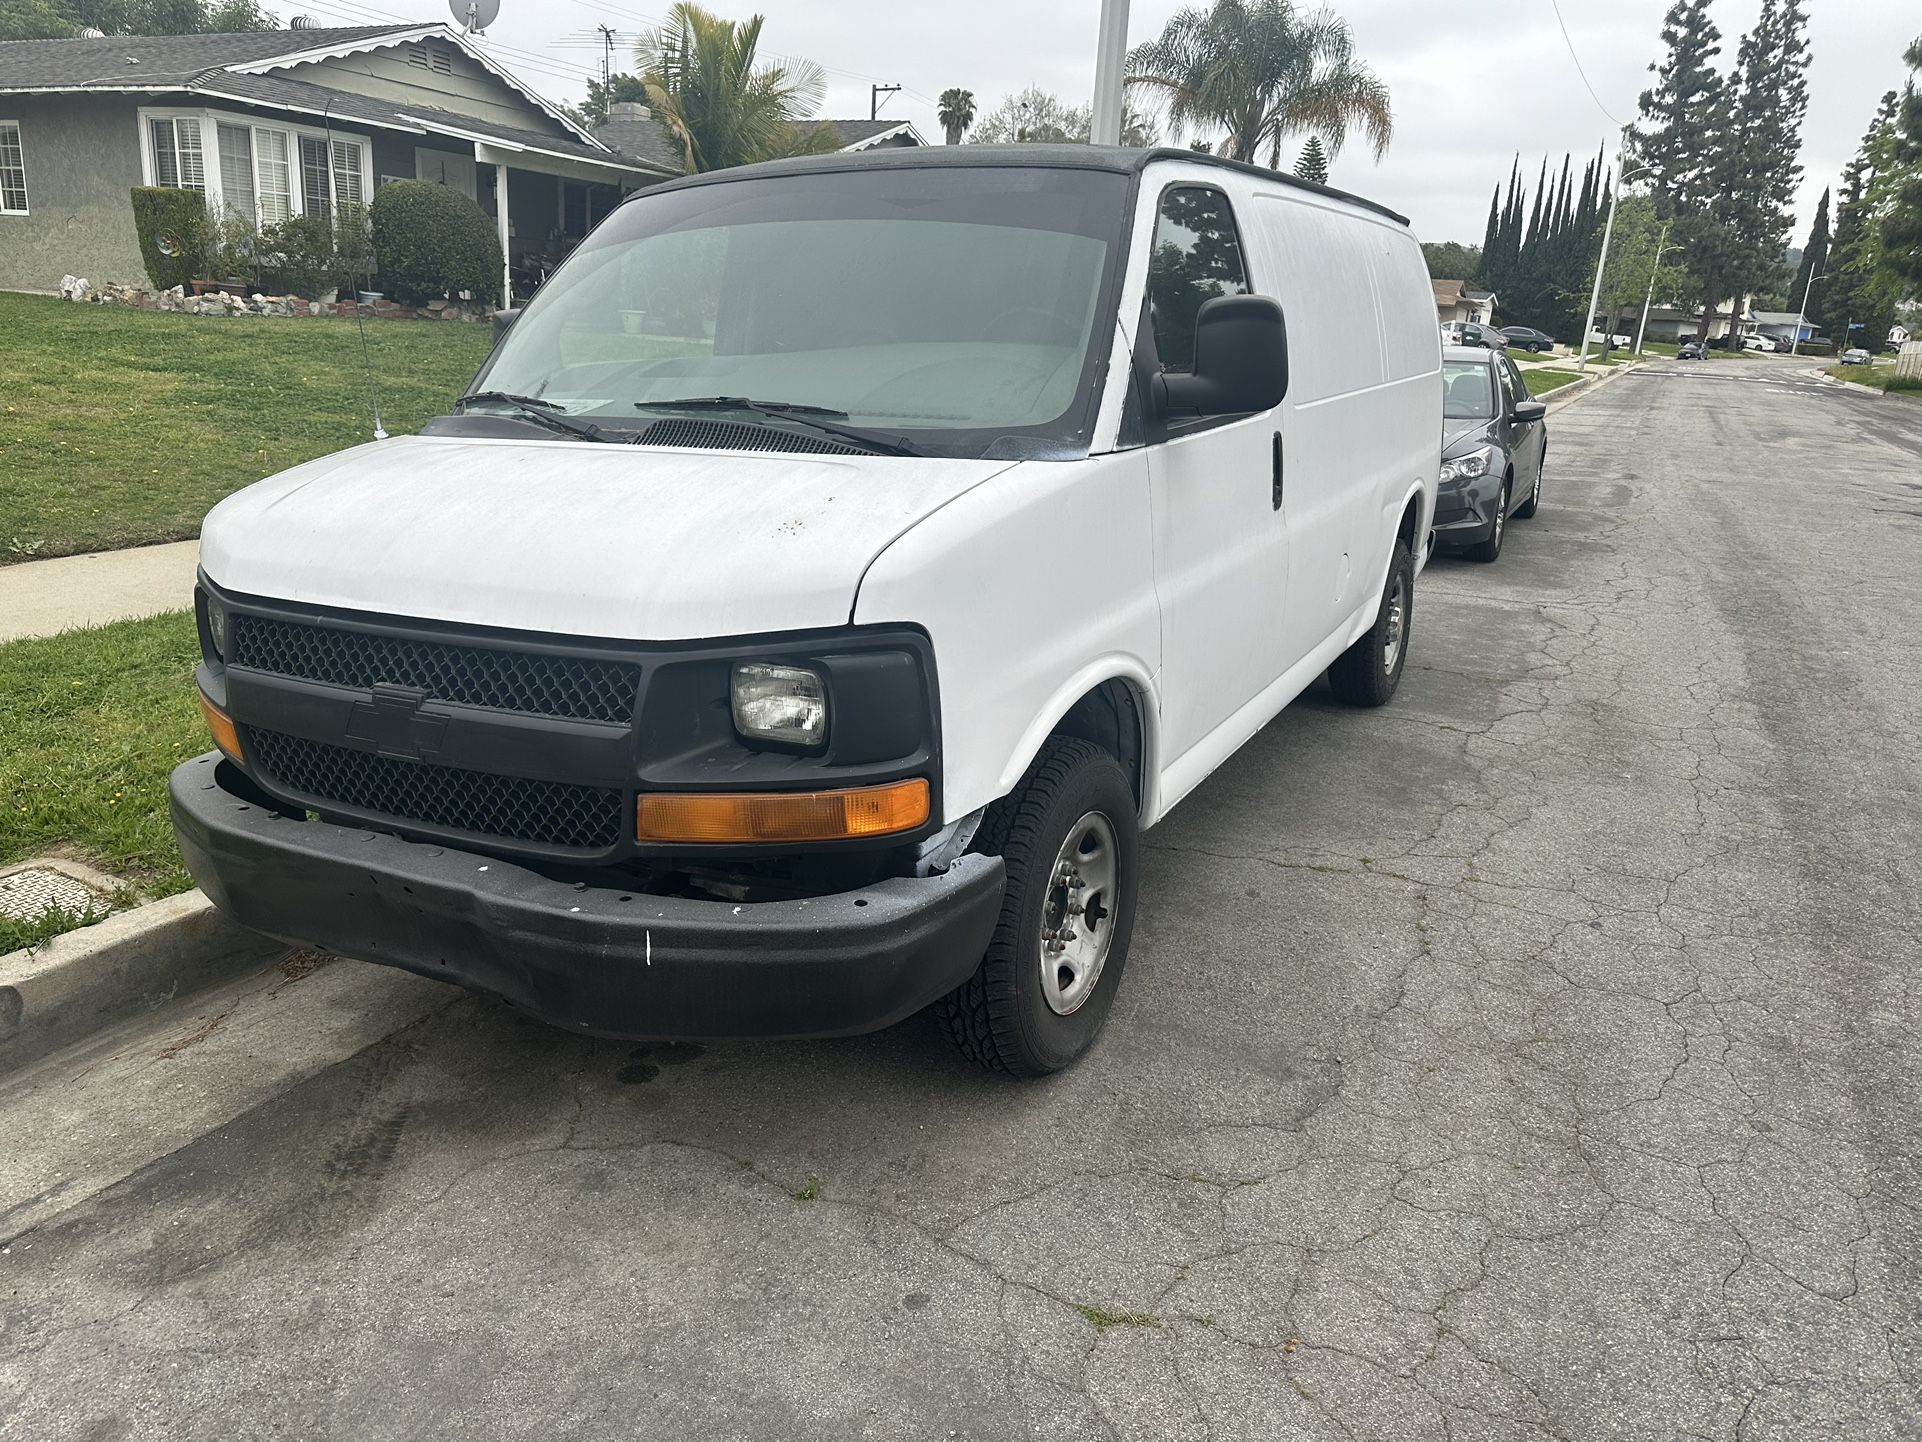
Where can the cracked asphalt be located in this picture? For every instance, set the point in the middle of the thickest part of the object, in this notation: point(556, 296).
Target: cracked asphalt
point(1535, 1058)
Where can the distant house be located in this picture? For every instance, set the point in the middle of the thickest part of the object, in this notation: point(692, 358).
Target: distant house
point(632, 130)
point(1667, 323)
point(1456, 300)
point(1789, 325)
point(275, 124)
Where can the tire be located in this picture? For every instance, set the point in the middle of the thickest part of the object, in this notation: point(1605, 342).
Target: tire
point(1367, 673)
point(1009, 1015)
point(1526, 510)
point(1489, 549)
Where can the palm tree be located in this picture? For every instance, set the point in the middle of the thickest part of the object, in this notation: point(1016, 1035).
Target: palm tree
point(1261, 70)
point(719, 105)
point(956, 113)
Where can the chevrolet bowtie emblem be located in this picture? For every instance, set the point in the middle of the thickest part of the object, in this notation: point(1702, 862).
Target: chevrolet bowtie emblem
point(392, 723)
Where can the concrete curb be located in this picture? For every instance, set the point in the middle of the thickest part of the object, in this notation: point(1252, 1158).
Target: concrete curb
point(1588, 384)
point(1819, 374)
point(78, 983)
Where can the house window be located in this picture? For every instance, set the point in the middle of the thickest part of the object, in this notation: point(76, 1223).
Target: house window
point(314, 197)
point(13, 170)
point(177, 158)
point(348, 189)
point(276, 176)
point(237, 170)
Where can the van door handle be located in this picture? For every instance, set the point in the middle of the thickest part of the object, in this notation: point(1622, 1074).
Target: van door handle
point(1277, 491)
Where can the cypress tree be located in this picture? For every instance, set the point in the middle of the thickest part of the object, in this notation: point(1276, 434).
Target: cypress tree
point(1814, 255)
point(1902, 226)
point(1313, 164)
point(1492, 232)
point(1855, 289)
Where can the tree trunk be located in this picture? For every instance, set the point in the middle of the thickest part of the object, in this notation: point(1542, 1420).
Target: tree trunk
point(1709, 311)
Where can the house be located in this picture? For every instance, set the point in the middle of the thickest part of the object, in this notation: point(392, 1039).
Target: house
point(631, 130)
point(1456, 300)
point(1667, 323)
point(280, 123)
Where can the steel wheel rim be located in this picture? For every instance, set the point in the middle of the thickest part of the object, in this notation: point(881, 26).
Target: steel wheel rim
point(1396, 626)
point(1077, 914)
point(1535, 494)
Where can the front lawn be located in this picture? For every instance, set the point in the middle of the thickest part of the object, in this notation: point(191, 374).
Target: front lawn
point(91, 723)
point(1541, 382)
point(122, 427)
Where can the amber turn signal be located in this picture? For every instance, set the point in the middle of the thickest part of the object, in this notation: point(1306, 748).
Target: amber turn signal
point(754, 818)
point(226, 737)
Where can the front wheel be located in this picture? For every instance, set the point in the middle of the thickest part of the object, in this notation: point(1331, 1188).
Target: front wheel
point(1068, 836)
point(1526, 510)
point(1489, 549)
point(1367, 673)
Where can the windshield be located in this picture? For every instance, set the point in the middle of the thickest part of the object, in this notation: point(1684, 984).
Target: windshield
point(1470, 391)
point(959, 311)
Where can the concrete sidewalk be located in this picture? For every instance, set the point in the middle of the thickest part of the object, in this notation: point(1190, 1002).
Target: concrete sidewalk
point(43, 598)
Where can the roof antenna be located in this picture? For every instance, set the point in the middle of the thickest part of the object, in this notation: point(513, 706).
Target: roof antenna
point(360, 324)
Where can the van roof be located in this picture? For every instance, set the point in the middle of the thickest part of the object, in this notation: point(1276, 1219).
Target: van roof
point(1125, 160)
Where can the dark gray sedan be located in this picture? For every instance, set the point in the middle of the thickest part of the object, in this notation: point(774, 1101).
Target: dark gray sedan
point(1494, 438)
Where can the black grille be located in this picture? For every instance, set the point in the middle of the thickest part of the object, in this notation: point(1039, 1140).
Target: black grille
point(542, 685)
point(546, 813)
point(730, 436)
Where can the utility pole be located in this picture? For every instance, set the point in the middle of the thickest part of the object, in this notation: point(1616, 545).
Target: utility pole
point(875, 92)
point(1795, 347)
point(1660, 246)
point(607, 56)
point(1110, 55)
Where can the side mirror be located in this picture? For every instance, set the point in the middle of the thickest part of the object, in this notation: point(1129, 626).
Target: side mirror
point(1241, 360)
point(503, 319)
point(1528, 411)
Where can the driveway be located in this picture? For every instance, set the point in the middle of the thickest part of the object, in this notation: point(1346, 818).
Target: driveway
point(1535, 1058)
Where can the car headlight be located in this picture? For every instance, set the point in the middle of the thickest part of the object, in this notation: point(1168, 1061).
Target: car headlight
point(784, 704)
point(218, 625)
point(1466, 468)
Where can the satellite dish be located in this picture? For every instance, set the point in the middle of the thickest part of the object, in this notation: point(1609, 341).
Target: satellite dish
point(474, 16)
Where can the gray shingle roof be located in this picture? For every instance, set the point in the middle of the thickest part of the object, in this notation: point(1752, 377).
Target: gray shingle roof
point(641, 138)
point(114, 61)
point(854, 132)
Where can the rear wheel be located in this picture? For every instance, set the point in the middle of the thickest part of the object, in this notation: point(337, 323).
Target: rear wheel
point(1068, 837)
point(1489, 549)
point(1367, 673)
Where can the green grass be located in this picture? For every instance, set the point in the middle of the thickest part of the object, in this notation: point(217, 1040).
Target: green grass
point(91, 723)
point(1876, 374)
point(1541, 382)
point(122, 427)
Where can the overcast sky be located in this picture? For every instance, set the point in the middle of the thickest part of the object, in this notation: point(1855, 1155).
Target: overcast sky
point(1472, 81)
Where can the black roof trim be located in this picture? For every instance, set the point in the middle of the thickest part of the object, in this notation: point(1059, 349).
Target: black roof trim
point(1120, 160)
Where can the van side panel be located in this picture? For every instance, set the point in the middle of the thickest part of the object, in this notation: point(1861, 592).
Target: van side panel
point(1035, 588)
point(1411, 353)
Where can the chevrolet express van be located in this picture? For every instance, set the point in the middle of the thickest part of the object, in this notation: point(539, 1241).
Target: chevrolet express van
point(832, 572)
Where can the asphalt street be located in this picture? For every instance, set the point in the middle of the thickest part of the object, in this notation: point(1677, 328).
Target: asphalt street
point(1537, 1058)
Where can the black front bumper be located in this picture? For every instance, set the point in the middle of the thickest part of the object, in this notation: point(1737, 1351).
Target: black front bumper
point(591, 959)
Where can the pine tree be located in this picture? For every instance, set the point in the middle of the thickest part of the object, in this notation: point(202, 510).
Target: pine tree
point(1313, 164)
point(1761, 172)
point(1674, 137)
point(1902, 226)
point(1857, 289)
point(1814, 255)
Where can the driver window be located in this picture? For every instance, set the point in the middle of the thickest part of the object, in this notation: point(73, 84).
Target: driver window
point(1196, 257)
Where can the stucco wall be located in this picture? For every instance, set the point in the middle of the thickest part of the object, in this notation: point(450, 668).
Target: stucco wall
point(83, 158)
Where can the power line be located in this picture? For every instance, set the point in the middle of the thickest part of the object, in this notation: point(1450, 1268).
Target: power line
point(1557, 4)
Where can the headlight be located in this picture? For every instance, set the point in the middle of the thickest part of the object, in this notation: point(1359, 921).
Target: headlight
point(217, 624)
point(1466, 468)
point(786, 704)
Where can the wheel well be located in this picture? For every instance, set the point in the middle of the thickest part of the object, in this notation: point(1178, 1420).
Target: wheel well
point(1410, 524)
point(1110, 717)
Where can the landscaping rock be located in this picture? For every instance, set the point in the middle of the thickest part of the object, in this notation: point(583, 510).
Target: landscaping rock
point(73, 287)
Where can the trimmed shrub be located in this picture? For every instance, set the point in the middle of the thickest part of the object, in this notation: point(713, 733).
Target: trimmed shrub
point(299, 251)
point(430, 240)
point(173, 231)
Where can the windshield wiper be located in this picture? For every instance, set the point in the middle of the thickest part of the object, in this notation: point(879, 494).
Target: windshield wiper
point(798, 412)
point(542, 413)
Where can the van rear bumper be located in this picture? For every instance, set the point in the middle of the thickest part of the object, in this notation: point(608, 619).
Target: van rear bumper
point(591, 959)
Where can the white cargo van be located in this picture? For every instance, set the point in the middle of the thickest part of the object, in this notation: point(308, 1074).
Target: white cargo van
point(835, 568)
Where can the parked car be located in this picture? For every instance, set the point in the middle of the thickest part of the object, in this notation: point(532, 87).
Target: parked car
point(1691, 350)
point(1856, 356)
point(1494, 439)
point(1757, 343)
point(1619, 342)
point(845, 684)
point(1524, 337)
point(1468, 332)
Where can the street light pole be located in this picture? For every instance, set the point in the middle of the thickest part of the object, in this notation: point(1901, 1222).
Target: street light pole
point(1795, 346)
point(1110, 55)
point(1660, 246)
point(1608, 234)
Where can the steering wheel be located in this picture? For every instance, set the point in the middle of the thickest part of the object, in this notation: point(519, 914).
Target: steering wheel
point(1029, 325)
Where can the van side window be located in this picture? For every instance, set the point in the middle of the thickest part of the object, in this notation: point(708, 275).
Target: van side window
point(1197, 256)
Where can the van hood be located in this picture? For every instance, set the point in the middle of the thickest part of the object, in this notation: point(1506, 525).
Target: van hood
point(616, 541)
